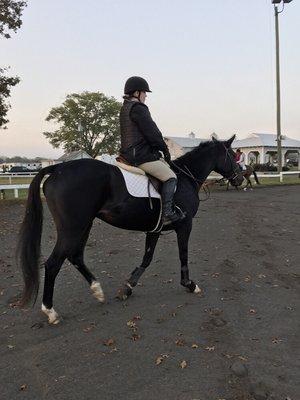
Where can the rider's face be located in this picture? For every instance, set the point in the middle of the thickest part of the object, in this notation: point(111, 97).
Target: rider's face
point(143, 96)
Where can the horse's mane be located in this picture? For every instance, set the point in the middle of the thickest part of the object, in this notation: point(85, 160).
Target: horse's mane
point(190, 155)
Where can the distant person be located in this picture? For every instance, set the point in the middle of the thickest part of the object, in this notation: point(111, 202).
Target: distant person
point(142, 144)
point(240, 159)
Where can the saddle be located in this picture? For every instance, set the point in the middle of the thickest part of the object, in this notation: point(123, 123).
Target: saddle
point(122, 163)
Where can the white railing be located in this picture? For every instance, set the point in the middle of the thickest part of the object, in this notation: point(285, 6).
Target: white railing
point(10, 175)
point(16, 187)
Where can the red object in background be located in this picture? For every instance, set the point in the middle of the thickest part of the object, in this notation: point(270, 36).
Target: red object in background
point(237, 156)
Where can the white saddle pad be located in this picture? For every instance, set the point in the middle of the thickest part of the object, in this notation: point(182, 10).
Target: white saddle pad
point(137, 185)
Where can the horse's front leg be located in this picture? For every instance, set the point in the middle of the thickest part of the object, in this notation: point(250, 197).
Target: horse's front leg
point(183, 233)
point(126, 290)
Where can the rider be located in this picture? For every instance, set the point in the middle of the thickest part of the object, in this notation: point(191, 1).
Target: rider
point(142, 143)
point(240, 159)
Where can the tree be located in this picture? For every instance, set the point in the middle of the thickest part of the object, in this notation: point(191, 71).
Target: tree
point(5, 87)
point(88, 121)
point(10, 16)
point(10, 19)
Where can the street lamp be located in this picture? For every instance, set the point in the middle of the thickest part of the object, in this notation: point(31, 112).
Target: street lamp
point(279, 137)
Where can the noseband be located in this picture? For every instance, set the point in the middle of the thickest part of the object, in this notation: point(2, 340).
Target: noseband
point(236, 171)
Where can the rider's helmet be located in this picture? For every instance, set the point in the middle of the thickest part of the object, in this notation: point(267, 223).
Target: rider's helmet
point(238, 150)
point(136, 83)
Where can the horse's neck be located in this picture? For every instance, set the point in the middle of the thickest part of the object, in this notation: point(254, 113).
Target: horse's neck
point(203, 166)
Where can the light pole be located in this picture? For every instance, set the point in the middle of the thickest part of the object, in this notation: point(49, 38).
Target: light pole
point(279, 137)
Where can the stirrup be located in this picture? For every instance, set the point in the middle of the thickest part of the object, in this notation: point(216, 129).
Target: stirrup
point(176, 216)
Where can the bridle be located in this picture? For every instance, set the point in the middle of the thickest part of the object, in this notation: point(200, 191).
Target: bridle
point(236, 171)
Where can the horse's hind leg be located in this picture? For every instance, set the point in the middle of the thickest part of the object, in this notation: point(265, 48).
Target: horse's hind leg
point(126, 290)
point(95, 286)
point(52, 267)
point(76, 258)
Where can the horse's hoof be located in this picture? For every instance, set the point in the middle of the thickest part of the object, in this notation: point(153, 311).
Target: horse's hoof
point(124, 292)
point(245, 189)
point(197, 290)
point(53, 318)
point(191, 287)
point(97, 291)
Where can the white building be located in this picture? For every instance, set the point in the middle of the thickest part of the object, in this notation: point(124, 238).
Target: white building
point(262, 148)
point(73, 155)
point(181, 145)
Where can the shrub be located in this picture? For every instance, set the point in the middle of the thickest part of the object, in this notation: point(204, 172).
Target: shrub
point(267, 168)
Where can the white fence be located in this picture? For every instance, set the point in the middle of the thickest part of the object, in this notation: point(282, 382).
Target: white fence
point(16, 187)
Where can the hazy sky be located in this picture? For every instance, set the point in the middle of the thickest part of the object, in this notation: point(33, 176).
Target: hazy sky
point(210, 64)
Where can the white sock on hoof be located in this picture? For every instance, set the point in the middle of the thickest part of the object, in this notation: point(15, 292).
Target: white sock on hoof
point(197, 289)
point(97, 291)
point(52, 315)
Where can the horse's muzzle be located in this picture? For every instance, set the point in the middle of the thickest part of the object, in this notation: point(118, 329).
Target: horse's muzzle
point(237, 179)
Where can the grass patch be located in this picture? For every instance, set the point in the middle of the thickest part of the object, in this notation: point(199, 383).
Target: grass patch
point(15, 180)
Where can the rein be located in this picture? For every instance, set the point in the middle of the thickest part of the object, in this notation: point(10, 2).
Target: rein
point(200, 183)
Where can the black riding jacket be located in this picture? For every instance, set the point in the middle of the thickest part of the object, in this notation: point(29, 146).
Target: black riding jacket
point(141, 140)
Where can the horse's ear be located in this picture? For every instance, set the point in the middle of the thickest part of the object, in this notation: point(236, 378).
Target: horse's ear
point(228, 142)
point(214, 139)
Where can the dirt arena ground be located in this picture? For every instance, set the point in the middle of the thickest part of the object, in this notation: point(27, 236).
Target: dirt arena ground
point(238, 340)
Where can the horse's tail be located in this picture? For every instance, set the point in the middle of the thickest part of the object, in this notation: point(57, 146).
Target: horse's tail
point(29, 243)
point(255, 177)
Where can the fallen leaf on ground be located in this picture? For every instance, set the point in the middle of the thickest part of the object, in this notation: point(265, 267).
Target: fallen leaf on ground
point(161, 358)
point(183, 364)
point(276, 340)
point(23, 387)
point(137, 318)
point(109, 342)
point(135, 337)
point(212, 348)
point(252, 311)
point(179, 342)
point(131, 324)
point(88, 329)
point(194, 346)
point(261, 276)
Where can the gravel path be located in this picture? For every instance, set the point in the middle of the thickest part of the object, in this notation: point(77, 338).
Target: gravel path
point(237, 341)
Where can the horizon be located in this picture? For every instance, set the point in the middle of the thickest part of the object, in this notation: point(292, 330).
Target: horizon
point(208, 74)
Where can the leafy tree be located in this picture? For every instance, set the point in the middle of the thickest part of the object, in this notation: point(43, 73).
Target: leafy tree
point(10, 16)
point(88, 121)
point(6, 84)
point(10, 19)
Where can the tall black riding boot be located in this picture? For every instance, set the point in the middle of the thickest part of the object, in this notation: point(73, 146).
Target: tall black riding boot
point(170, 214)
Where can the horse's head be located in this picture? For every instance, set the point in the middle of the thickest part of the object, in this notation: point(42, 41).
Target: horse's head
point(225, 162)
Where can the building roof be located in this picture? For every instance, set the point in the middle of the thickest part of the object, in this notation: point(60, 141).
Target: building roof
point(186, 142)
point(74, 155)
point(265, 140)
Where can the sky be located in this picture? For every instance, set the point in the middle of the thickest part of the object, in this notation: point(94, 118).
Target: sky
point(210, 65)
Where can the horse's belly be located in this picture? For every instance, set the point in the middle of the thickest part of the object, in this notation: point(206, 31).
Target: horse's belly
point(133, 214)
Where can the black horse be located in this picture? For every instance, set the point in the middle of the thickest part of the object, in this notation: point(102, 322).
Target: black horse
point(78, 191)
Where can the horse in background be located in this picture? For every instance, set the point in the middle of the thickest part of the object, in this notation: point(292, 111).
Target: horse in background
point(247, 174)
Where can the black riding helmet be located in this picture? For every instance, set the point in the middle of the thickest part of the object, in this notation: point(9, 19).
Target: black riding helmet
point(136, 83)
